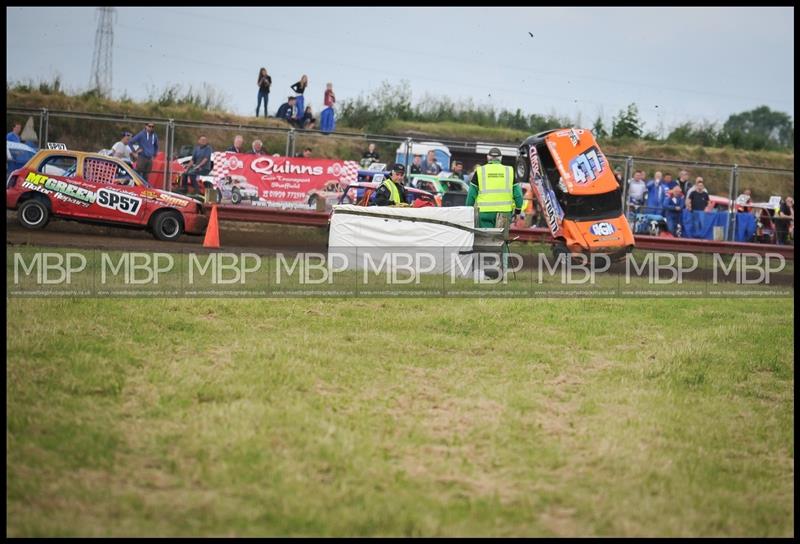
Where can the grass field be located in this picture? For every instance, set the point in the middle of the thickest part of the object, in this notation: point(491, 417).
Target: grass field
point(400, 417)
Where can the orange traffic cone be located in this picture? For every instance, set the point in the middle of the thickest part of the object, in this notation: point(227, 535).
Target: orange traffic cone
point(212, 231)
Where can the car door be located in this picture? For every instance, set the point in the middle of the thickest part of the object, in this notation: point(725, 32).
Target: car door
point(118, 191)
point(55, 176)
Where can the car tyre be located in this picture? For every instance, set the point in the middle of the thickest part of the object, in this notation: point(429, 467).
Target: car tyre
point(33, 214)
point(559, 248)
point(168, 226)
point(522, 170)
point(236, 196)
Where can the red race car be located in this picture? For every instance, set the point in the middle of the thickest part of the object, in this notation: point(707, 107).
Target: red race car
point(95, 188)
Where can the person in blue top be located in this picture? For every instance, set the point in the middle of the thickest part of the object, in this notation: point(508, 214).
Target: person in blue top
point(200, 164)
point(288, 111)
point(147, 140)
point(669, 183)
point(13, 136)
point(674, 204)
point(657, 189)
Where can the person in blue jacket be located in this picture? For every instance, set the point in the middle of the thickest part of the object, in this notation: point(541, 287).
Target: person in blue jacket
point(13, 136)
point(656, 192)
point(674, 204)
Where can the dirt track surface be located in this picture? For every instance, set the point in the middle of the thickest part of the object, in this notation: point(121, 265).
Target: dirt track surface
point(234, 236)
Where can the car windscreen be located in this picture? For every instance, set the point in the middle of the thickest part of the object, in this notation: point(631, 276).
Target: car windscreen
point(140, 178)
point(591, 207)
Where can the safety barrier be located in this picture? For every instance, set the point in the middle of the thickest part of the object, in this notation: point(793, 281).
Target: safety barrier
point(259, 214)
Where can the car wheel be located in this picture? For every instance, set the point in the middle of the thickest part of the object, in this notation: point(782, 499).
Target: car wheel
point(559, 248)
point(522, 169)
point(236, 197)
point(168, 226)
point(33, 214)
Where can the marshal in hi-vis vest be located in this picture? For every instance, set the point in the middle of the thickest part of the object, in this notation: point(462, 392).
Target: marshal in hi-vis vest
point(495, 183)
point(394, 194)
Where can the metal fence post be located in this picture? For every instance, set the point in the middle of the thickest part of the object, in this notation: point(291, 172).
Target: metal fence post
point(732, 207)
point(168, 155)
point(409, 142)
point(43, 128)
point(625, 175)
point(290, 143)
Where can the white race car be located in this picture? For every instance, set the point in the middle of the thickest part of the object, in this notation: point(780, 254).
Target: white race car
point(236, 188)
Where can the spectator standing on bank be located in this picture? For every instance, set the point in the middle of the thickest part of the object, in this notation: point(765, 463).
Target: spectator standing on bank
point(147, 140)
point(13, 136)
point(122, 149)
point(329, 100)
point(674, 204)
point(258, 148)
point(299, 88)
point(430, 166)
point(264, 83)
point(327, 118)
point(238, 144)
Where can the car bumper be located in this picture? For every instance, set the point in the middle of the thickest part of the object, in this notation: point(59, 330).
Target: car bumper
point(195, 223)
point(11, 199)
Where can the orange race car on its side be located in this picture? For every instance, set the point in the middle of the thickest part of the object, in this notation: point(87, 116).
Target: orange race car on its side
point(577, 193)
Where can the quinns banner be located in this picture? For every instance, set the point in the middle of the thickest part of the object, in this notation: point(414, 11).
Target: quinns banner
point(286, 182)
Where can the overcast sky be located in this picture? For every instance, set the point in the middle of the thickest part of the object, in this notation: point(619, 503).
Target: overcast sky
point(676, 63)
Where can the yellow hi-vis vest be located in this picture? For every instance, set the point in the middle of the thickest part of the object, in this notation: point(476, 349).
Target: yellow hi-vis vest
point(495, 188)
point(394, 194)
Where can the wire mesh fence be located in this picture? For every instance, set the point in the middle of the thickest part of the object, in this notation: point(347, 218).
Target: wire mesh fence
point(177, 138)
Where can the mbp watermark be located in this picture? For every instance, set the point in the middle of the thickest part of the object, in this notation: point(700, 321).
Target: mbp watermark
point(49, 268)
point(382, 271)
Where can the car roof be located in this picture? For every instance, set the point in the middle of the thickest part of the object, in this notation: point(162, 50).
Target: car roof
point(42, 153)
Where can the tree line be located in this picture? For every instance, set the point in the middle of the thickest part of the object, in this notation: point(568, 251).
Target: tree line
point(757, 129)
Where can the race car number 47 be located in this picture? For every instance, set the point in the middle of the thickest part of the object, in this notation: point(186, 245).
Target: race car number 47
point(118, 201)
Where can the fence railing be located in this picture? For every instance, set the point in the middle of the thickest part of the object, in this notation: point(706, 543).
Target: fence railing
point(730, 176)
